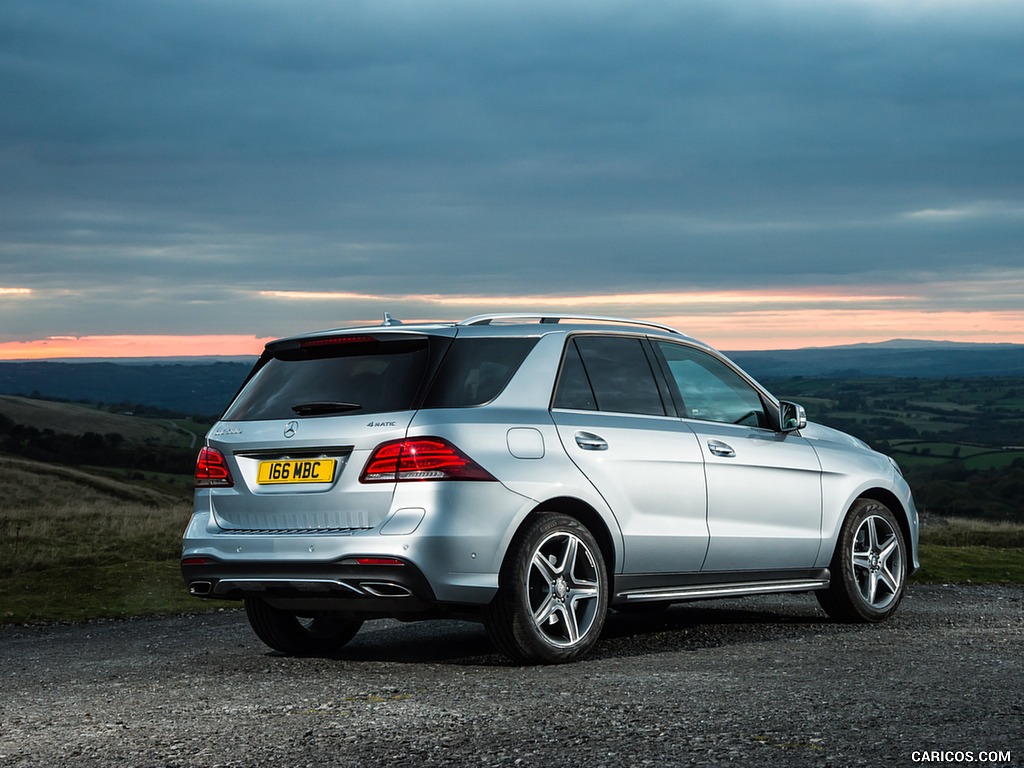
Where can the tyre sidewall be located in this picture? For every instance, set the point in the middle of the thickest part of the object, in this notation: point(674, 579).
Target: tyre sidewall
point(283, 631)
point(528, 643)
point(851, 603)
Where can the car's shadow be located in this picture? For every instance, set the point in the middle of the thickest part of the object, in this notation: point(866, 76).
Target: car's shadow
point(692, 626)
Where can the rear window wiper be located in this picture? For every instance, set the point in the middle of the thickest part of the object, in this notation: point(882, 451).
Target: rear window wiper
point(321, 408)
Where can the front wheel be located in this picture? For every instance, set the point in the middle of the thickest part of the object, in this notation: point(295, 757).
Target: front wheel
point(869, 566)
point(553, 593)
point(311, 634)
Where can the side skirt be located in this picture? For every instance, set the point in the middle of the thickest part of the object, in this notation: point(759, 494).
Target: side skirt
point(680, 587)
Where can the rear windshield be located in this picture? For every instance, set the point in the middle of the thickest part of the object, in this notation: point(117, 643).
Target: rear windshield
point(363, 375)
point(368, 376)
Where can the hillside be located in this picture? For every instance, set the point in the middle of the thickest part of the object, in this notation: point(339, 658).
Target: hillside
point(80, 435)
point(76, 545)
point(897, 358)
point(52, 515)
point(30, 485)
point(76, 419)
point(195, 388)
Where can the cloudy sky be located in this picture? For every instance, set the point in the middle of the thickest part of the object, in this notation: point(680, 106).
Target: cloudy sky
point(197, 175)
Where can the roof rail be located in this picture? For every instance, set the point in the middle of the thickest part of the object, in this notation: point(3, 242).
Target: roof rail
point(557, 318)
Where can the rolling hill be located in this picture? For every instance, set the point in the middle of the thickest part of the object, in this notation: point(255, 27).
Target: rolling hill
point(898, 358)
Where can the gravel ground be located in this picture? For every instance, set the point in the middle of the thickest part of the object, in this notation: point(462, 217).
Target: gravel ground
point(764, 681)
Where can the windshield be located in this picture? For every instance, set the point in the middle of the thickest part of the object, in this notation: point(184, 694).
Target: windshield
point(344, 377)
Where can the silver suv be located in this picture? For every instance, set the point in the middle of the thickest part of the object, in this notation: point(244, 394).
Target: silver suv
point(530, 472)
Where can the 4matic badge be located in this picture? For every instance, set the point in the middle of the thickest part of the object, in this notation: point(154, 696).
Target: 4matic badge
point(383, 424)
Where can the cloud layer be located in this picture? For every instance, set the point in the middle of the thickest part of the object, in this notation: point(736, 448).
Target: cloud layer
point(166, 167)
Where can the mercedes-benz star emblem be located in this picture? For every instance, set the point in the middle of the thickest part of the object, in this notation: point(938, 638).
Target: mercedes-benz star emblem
point(291, 428)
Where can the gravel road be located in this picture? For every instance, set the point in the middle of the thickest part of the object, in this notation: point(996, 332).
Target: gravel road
point(764, 681)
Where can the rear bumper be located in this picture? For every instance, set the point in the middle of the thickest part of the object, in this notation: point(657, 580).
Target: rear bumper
point(347, 585)
point(451, 538)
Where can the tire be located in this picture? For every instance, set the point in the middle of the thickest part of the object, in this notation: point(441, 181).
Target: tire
point(313, 634)
point(552, 595)
point(869, 567)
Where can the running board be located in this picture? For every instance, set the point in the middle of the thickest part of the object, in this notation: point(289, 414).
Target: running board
point(697, 592)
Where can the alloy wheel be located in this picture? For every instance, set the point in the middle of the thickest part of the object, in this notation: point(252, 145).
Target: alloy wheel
point(877, 562)
point(564, 588)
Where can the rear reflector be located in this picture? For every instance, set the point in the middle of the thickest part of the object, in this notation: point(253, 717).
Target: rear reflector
point(421, 458)
point(212, 470)
point(372, 561)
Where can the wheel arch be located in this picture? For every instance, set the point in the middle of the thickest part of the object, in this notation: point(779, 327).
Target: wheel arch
point(892, 501)
point(586, 514)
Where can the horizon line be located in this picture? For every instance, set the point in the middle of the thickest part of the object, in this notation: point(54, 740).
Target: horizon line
point(254, 353)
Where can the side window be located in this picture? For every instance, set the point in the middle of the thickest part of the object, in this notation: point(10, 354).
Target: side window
point(608, 374)
point(475, 371)
point(711, 390)
point(574, 389)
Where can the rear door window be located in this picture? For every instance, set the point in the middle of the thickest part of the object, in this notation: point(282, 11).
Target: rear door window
point(608, 373)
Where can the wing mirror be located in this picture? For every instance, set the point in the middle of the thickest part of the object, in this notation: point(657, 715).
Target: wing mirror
point(791, 416)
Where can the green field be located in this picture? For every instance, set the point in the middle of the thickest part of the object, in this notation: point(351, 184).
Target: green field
point(77, 545)
point(960, 442)
point(942, 564)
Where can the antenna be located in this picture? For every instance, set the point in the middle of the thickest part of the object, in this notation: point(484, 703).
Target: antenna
point(390, 321)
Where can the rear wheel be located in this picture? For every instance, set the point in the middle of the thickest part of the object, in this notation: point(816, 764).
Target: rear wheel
point(869, 566)
point(308, 634)
point(553, 593)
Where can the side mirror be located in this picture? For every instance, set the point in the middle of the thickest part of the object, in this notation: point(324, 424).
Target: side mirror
point(791, 417)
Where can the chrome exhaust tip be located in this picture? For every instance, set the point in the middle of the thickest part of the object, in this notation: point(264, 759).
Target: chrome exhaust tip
point(385, 589)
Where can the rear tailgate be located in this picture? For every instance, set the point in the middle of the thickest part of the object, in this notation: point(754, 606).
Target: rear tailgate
point(303, 475)
point(298, 435)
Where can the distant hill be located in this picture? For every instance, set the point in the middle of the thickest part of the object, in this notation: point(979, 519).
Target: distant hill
point(188, 388)
point(205, 387)
point(82, 435)
point(900, 358)
point(72, 419)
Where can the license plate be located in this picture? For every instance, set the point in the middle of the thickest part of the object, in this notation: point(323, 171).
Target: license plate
point(296, 471)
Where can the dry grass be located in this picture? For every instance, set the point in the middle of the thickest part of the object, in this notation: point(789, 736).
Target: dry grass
point(89, 533)
point(54, 516)
point(963, 532)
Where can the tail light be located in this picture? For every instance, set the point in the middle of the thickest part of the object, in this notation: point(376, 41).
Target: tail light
point(422, 458)
point(212, 470)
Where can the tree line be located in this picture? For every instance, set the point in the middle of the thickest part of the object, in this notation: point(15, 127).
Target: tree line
point(93, 449)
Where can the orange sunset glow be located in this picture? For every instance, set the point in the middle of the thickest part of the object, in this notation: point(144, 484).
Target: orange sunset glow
point(741, 330)
point(127, 346)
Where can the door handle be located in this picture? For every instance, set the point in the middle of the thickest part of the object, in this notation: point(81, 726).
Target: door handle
point(588, 441)
point(718, 448)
